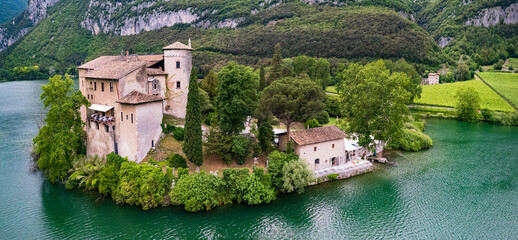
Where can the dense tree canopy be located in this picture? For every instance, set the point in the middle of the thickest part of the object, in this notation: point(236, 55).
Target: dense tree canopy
point(373, 101)
point(414, 85)
point(468, 104)
point(210, 84)
point(291, 100)
point(193, 146)
point(60, 138)
point(237, 96)
point(318, 70)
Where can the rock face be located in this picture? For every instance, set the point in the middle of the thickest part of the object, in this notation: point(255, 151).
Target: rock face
point(35, 12)
point(489, 17)
point(444, 41)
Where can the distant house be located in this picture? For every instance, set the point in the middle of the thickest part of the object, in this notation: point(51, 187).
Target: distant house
point(433, 78)
point(321, 147)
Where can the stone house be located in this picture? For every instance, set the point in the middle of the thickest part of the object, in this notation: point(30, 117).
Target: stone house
point(321, 147)
point(129, 95)
point(433, 78)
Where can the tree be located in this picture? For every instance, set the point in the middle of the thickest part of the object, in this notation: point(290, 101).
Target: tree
point(237, 96)
point(462, 72)
point(265, 134)
point(291, 100)
point(468, 103)
point(193, 146)
point(322, 73)
point(59, 140)
point(276, 161)
point(262, 78)
point(210, 85)
point(198, 191)
point(276, 72)
point(318, 70)
point(414, 86)
point(373, 101)
point(296, 176)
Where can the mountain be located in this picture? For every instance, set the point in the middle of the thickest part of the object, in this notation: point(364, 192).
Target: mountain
point(57, 35)
point(11, 8)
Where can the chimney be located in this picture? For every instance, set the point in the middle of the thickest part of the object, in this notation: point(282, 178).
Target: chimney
point(189, 42)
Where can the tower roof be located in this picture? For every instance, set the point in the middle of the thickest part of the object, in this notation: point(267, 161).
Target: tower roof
point(177, 46)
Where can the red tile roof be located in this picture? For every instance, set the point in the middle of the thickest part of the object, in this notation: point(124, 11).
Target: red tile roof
point(136, 97)
point(177, 46)
point(317, 135)
point(112, 67)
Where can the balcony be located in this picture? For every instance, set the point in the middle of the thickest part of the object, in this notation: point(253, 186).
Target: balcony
point(108, 120)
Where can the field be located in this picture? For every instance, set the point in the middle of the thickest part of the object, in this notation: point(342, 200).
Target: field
point(505, 83)
point(513, 62)
point(444, 95)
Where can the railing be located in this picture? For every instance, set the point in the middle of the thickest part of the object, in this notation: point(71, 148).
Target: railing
point(101, 119)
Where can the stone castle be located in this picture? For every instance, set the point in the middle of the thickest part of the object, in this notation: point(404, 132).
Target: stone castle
point(129, 95)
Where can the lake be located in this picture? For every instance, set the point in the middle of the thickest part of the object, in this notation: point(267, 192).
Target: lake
point(466, 186)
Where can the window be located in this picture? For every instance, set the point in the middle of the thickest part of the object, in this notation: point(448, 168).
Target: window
point(333, 146)
point(317, 161)
point(88, 96)
point(111, 86)
point(155, 86)
point(315, 149)
point(132, 118)
point(92, 97)
point(178, 85)
point(102, 87)
point(122, 116)
point(152, 143)
point(177, 64)
point(107, 128)
point(126, 116)
point(95, 86)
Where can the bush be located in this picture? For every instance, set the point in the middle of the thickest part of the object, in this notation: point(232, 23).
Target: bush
point(175, 160)
point(183, 172)
point(276, 161)
point(220, 144)
point(179, 133)
point(211, 118)
point(311, 123)
point(296, 176)
point(167, 129)
point(323, 118)
point(332, 105)
point(412, 140)
point(198, 191)
point(240, 148)
point(332, 177)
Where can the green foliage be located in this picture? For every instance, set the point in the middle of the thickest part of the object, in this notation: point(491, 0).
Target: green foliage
point(331, 177)
point(276, 72)
point(176, 160)
point(10, 8)
point(167, 128)
point(323, 118)
point(211, 118)
point(210, 85)
point(85, 170)
point(291, 100)
point(141, 185)
point(296, 176)
point(462, 72)
point(498, 65)
point(468, 104)
point(198, 191)
point(332, 105)
point(260, 189)
point(311, 123)
point(373, 101)
point(318, 70)
point(237, 96)
point(183, 172)
point(115, 159)
point(276, 161)
point(412, 140)
point(236, 183)
point(60, 138)
point(179, 133)
point(262, 78)
point(240, 148)
point(401, 66)
point(193, 146)
point(220, 144)
point(265, 134)
point(205, 104)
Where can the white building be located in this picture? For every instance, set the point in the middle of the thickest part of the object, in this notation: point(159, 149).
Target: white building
point(433, 78)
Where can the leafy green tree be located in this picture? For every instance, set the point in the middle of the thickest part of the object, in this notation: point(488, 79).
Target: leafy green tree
point(198, 191)
point(311, 123)
point(468, 104)
point(296, 176)
point(374, 101)
point(205, 104)
point(276, 161)
point(176, 160)
point(59, 140)
point(193, 146)
point(262, 78)
point(291, 100)
point(259, 188)
point(276, 72)
point(236, 183)
point(265, 134)
point(318, 70)
point(237, 96)
point(332, 105)
point(414, 85)
point(322, 73)
point(210, 85)
point(240, 148)
point(220, 144)
point(462, 72)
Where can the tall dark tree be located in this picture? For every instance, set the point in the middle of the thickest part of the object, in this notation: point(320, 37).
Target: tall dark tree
point(193, 146)
point(276, 72)
point(291, 100)
point(237, 97)
point(60, 138)
point(262, 78)
point(265, 134)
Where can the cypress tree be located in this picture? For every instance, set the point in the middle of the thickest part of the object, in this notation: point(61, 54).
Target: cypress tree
point(262, 79)
point(276, 71)
point(193, 141)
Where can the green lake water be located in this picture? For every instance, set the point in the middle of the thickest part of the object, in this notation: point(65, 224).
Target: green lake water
point(465, 187)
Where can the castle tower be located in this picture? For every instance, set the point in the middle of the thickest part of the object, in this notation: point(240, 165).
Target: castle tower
point(177, 65)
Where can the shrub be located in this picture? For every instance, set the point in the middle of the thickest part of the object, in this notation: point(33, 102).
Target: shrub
point(183, 172)
point(167, 129)
point(240, 148)
point(211, 118)
point(198, 191)
point(260, 189)
point(179, 133)
point(220, 144)
point(323, 118)
point(311, 123)
point(276, 161)
point(332, 177)
point(295, 176)
point(114, 159)
point(175, 160)
point(412, 140)
point(332, 105)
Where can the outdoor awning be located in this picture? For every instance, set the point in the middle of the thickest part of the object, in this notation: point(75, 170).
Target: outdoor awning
point(351, 145)
point(100, 108)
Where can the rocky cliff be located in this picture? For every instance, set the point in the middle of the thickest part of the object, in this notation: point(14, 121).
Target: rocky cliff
point(489, 17)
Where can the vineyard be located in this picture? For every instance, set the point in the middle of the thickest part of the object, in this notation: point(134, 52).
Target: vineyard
point(505, 83)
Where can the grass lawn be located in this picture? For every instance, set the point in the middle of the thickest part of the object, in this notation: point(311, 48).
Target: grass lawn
point(505, 83)
point(331, 89)
point(444, 95)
